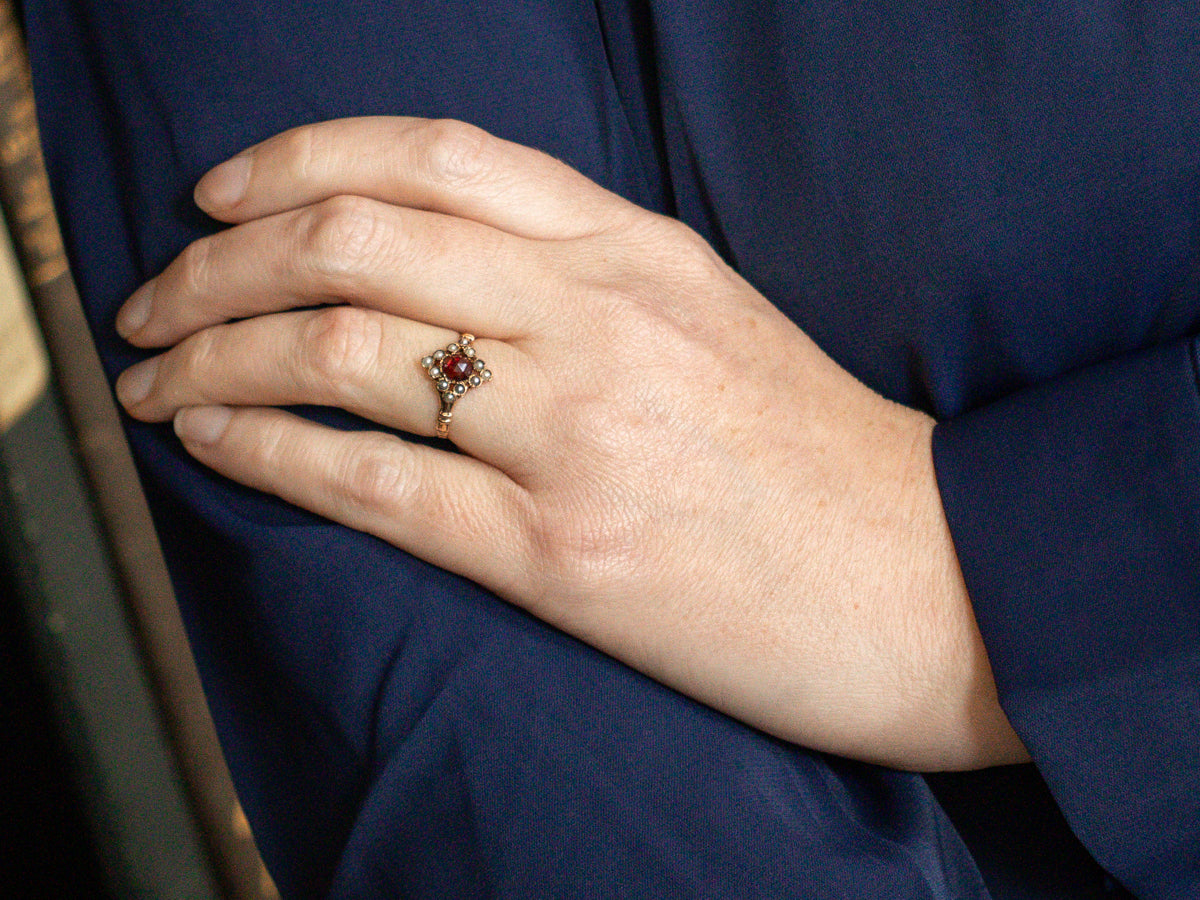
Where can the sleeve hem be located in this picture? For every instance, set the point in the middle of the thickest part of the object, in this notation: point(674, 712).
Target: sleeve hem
point(1075, 511)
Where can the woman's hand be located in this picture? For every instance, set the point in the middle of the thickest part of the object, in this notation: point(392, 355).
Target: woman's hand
point(663, 464)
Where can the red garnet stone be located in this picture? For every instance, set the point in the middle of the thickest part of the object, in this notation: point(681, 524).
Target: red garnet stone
point(457, 367)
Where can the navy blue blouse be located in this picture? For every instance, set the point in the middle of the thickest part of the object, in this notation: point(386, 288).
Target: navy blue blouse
point(987, 210)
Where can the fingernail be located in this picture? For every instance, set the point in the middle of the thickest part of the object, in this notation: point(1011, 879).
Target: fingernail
point(136, 381)
point(225, 185)
point(202, 424)
point(136, 311)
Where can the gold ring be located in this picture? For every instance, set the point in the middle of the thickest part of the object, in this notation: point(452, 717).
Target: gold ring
point(454, 370)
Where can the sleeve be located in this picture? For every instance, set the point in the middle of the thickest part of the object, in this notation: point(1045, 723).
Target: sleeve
point(1075, 510)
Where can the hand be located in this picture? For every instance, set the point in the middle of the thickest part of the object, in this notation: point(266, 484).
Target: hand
point(663, 464)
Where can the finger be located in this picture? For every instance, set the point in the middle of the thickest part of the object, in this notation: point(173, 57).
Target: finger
point(441, 165)
point(421, 265)
point(450, 510)
point(366, 362)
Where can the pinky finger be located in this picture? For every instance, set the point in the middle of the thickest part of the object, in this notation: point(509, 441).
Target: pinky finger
point(450, 510)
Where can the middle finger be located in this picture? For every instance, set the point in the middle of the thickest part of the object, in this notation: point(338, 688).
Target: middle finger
point(421, 265)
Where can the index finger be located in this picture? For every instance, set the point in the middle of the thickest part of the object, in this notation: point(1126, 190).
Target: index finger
point(435, 164)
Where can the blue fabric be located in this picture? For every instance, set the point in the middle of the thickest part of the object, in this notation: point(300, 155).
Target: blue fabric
point(985, 210)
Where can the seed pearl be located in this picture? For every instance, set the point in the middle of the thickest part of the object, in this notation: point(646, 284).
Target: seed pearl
point(476, 381)
point(469, 352)
point(443, 385)
point(427, 362)
point(452, 348)
point(460, 389)
point(436, 371)
point(486, 374)
point(479, 365)
point(448, 397)
point(439, 355)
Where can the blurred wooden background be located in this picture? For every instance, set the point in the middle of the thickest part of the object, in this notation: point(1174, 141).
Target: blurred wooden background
point(111, 780)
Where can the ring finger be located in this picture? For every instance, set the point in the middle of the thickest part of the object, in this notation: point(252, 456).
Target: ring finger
point(361, 360)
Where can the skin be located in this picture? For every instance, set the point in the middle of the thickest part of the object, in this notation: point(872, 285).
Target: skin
point(664, 465)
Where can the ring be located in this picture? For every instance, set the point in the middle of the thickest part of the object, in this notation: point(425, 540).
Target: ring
point(454, 370)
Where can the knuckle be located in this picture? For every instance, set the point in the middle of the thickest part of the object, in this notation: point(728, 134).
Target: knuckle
point(265, 448)
point(306, 155)
point(626, 321)
point(377, 477)
point(646, 296)
point(195, 263)
point(340, 237)
point(583, 556)
point(594, 535)
point(341, 345)
point(456, 152)
point(679, 247)
point(693, 248)
point(303, 151)
point(200, 354)
point(654, 249)
point(612, 433)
